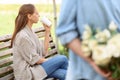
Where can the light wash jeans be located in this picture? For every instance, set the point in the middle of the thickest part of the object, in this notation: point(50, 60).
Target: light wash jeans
point(56, 67)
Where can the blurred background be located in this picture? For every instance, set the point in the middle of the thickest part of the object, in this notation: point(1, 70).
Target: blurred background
point(9, 10)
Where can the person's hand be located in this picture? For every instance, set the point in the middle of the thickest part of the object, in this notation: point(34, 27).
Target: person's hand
point(110, 78)
point(43, 60)
point(101, 72)
point(47, 28)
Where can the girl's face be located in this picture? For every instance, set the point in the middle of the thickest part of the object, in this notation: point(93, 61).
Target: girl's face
point(34, 18)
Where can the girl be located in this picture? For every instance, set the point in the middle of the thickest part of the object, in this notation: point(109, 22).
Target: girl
point(29, 62)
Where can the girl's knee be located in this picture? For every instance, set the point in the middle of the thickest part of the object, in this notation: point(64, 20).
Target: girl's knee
point(62, 57)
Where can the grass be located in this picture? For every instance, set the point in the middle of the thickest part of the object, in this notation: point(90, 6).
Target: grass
point(7, 22)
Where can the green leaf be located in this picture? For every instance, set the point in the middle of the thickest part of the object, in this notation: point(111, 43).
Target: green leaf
point(113, 67)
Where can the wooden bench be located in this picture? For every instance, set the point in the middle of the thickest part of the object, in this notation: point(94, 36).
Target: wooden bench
point(6, 70)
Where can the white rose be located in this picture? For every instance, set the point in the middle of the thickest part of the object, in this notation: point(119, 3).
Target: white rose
point(102, 62)
point(100, 56)
point(112, 50)
point(115, 40)
point(87, 28)
point(86, 35)
point(86, 51)
point(116, 55)
point(107, 33)
point(92, 44)
point(85, 42)
point(101, 37)
point(113, 26)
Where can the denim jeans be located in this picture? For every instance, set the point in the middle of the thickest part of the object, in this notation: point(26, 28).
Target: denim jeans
point(56, 67)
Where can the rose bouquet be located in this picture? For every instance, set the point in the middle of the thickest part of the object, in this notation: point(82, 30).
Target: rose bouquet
point(103, 47)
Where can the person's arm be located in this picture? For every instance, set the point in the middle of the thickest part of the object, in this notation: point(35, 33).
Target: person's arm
point(46, 42)
point(77, 50)
point(47, 38)
point(41, 60)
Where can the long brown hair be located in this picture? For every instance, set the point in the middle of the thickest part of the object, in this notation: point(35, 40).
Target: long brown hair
point(22, 19)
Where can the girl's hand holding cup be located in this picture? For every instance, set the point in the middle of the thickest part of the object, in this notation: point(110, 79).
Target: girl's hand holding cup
point(46, 23)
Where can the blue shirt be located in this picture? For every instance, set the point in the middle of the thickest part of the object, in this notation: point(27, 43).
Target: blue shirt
point(74, 15)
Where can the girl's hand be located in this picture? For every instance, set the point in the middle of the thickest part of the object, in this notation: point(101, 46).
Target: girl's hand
point(41, 60)
point(47, 28)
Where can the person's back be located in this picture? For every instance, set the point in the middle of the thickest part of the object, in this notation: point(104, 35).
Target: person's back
point(75, 14)
point(97, 13)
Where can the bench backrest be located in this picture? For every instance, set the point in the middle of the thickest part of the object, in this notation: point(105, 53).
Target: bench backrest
point(6, 71)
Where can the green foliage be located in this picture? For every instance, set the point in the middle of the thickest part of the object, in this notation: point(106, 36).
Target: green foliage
point(115, 68)
point(63, 50)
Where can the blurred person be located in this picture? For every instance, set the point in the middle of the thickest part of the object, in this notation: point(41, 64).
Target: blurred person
point(28, 52)
point(74, 15)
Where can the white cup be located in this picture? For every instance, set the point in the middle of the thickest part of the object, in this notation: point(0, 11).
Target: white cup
point(46, 21)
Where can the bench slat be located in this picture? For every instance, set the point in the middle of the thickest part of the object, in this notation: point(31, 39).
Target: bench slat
point(52, 52)
point(6, 60)
point(7, 70)
point(41, 34)
point(9, 59)
point(5, 44)
point(9, 51)
point(52, 45)
point(5, 52)
point(39, 29)
point(8, 36)
point(8, 77)
point(5, 38)
point(51, 40)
